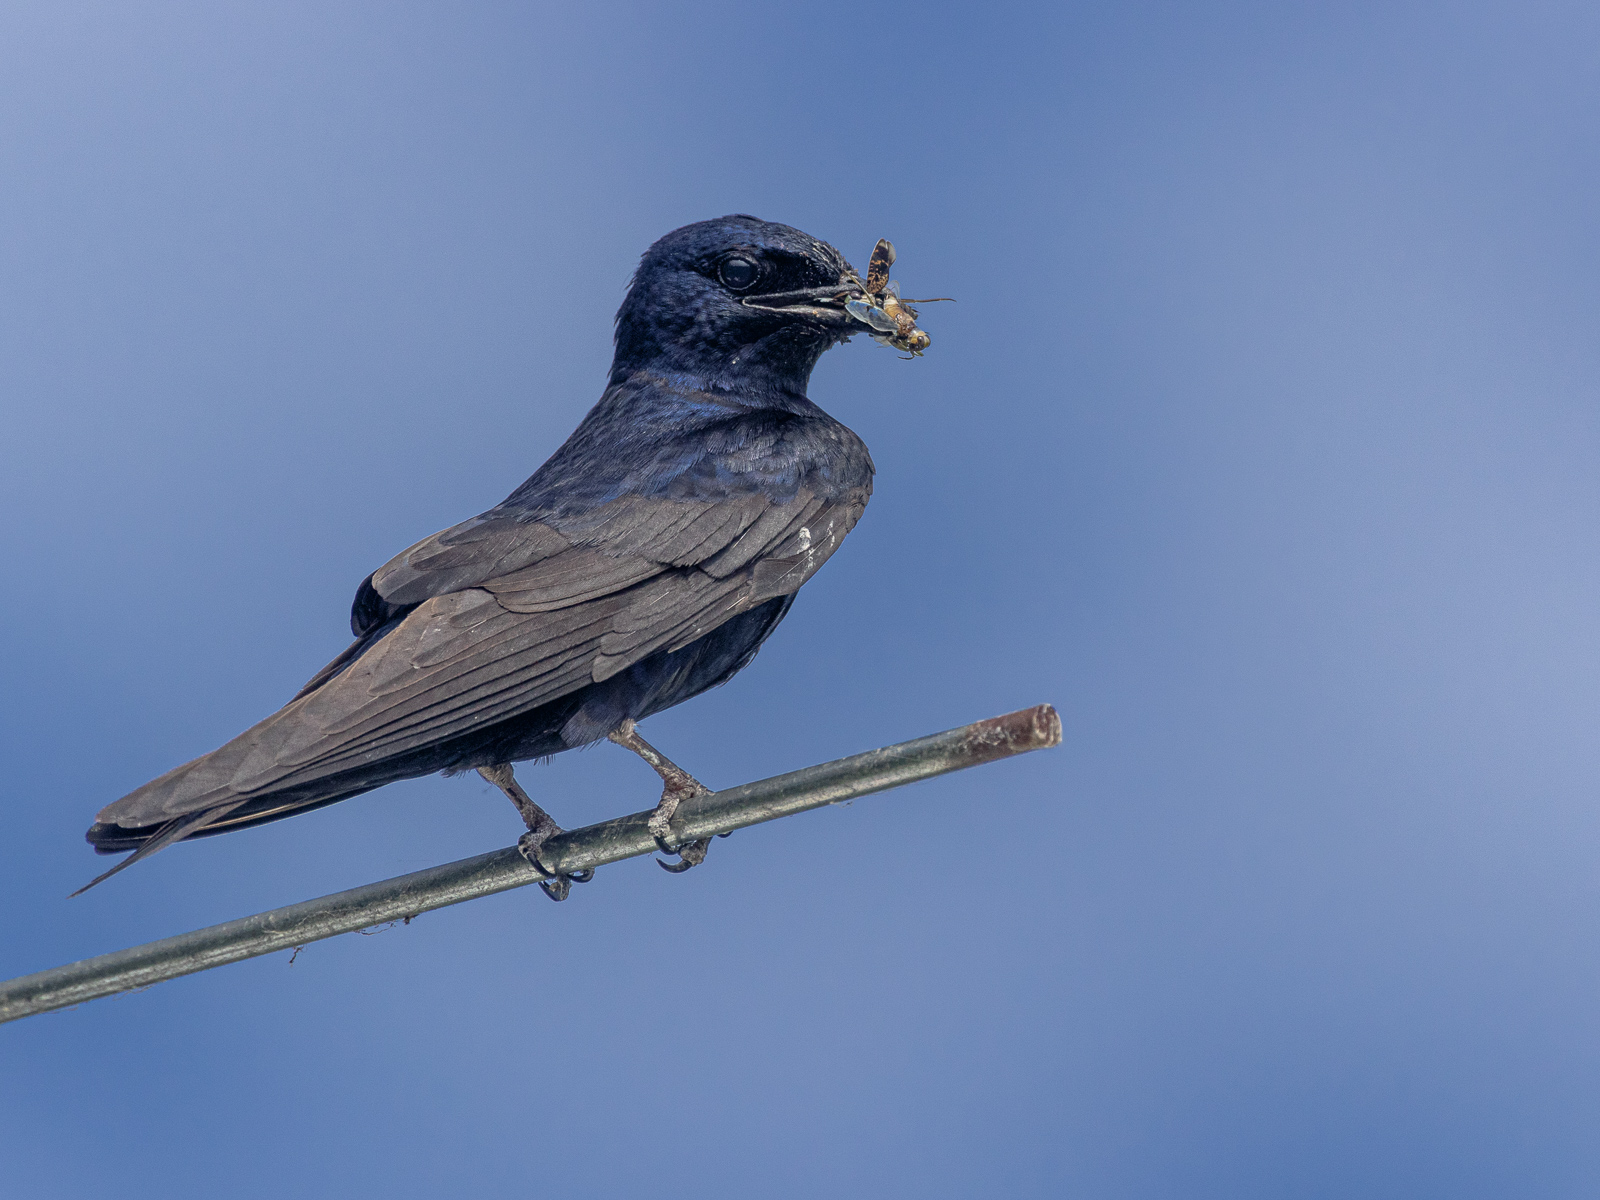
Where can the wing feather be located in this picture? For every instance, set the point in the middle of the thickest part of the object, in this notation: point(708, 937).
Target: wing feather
point(464, 556)
point(511, 614)
point(570, 578)
point(766, 530)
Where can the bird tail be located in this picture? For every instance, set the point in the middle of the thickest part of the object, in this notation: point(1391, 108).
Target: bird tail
point(195, 800)
point(162, 836)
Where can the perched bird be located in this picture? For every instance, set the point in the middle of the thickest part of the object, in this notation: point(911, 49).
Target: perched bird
point(645, 562)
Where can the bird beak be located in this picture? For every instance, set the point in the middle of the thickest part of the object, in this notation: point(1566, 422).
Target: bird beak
point(824, 305)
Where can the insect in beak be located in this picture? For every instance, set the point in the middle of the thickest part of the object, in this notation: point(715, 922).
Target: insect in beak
point(881, 308)
point(852, 302)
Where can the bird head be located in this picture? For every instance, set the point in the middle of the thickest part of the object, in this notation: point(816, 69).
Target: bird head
point(737, 303)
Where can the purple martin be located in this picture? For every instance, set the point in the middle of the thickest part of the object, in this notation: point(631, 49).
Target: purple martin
point(645, 562)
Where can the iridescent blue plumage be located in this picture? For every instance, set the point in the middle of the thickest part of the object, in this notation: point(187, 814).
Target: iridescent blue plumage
point(644, 562)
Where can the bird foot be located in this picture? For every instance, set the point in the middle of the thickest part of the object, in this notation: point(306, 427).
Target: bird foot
point(677, 786)
point(690, 854)
point(541, 828)
point(678, 789)
point(554, 884)
point(559, 888)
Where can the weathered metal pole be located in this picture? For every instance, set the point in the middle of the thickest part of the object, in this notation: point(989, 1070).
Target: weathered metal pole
point(405, 896)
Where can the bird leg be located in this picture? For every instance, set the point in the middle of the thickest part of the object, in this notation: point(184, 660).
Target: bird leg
point(677, 786)
point(541, 828)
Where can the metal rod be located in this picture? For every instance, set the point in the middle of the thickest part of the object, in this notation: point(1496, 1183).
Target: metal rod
point(405, 896)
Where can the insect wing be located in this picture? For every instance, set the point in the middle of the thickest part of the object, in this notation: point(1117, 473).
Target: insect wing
point(868, 314)
point(878, 267)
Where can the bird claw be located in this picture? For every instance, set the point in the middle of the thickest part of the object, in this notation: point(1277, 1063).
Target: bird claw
point(529, 845)
point(560, 887)
point(554, 885)
point(677, 785)
point(690, 854)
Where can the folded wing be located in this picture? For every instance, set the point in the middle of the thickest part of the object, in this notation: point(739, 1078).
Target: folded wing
point(510, 614)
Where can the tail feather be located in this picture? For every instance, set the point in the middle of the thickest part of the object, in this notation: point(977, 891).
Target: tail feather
point(194, 799)
point(203, 784)
point(172, 831)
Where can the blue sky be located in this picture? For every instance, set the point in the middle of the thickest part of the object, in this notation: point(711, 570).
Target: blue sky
point(1261, 441)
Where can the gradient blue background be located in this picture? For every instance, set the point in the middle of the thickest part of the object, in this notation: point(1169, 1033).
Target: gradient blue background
point(1262, 441)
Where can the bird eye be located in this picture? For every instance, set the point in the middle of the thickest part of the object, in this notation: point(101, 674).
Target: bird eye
point(737, 273)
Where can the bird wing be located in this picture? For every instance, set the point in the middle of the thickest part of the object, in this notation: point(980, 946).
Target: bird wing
point(511, 614)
